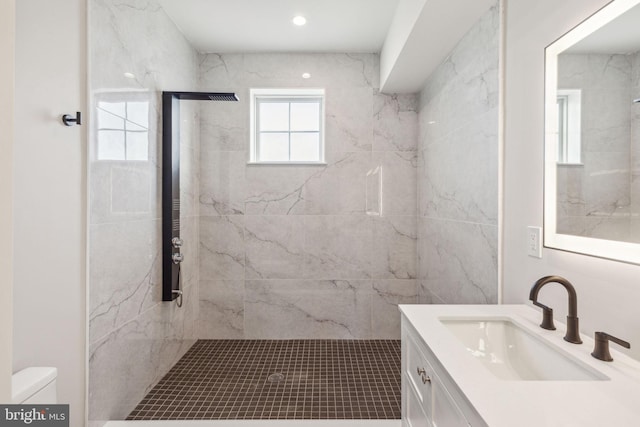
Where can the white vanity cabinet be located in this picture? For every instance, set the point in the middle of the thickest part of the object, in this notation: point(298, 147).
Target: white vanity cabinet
point(429, 397)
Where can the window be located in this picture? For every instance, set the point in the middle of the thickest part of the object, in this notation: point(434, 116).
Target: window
point(287, 126)
point(123, 130)
point(569, 118)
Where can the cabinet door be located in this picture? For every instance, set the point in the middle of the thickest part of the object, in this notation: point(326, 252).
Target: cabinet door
point(445, 412)
point(414, 415)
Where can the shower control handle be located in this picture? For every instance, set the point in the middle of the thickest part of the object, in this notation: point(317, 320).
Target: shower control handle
point(177, 258)
point(176, 242)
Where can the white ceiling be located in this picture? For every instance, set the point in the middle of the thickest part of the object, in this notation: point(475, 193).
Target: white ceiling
point(238, 26)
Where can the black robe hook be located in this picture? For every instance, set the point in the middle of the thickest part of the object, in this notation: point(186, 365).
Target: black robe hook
point(69, 120)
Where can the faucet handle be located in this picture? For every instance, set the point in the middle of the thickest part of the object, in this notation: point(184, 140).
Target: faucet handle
point(601, 349)
point(547, 316)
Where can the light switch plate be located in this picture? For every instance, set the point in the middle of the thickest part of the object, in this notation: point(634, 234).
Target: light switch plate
point(534, 242)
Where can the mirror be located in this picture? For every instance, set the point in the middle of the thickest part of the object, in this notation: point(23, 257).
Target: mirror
point(592, 136)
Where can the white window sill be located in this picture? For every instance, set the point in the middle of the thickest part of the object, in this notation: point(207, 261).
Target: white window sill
point(287, 163)
point(569, 164)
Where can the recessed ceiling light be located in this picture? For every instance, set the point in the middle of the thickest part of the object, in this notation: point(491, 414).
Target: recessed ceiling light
point(299, 20)
point(129, 75)
point(306, 75)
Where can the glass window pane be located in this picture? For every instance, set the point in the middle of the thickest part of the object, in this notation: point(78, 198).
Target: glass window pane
point(273, 116)
point(138, 113)
point(132, 126)
point(110, 145)
point(305, 116)
point(107, 120)
point(137, 145)
point(115, 108)
point(305, 147)
point(273, 147)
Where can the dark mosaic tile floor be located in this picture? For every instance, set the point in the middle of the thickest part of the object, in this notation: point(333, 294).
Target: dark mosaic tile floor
point(279, 379)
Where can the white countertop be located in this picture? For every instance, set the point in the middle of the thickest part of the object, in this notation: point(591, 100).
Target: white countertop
point(507, 403)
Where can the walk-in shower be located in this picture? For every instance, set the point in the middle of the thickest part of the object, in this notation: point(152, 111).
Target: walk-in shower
point(171, 241)
point(290, 284)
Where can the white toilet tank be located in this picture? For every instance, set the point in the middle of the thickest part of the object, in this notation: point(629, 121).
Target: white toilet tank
point(34, 386)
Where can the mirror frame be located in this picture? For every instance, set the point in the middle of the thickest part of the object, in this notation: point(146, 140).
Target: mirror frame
point(608, 249)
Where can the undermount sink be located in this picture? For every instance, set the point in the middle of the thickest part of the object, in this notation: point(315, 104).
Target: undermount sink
point(511, 352)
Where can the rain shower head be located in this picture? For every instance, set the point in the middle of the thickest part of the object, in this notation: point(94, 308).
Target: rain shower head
point(204, 96)
point(223, 97)
point(636, 101)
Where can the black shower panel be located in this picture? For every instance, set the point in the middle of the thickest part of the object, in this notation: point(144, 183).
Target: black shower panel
point(171, 241)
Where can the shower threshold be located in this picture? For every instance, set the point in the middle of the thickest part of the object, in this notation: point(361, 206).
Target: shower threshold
point(314, 380)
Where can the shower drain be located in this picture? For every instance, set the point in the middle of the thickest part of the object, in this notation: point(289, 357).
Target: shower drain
point(275, 378)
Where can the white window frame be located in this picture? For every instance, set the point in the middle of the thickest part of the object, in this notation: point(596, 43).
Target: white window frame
point(284, 94)
point(569, 126)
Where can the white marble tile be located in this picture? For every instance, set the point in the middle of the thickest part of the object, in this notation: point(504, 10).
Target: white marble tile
point(462, 173)
point(395, 122)
point(125, 273)
point(457, 93)
point(124, 365)
point(190, 235)
point(311, 309)
point(385, 316)
point(340, 187)
point(458, 171)
point(221, 309)
point(399, 186)
point(484, 33)
point(222, 247)
point(277, 190)
point(603, 227)
point(394, 247)
point(123, 191)
point(338, 247)
point(348, 119)
point(274, 247)
point(607, 183)
point(136, 36)
point(144, 336)
point(570, 188)
point(460, 261)
point(425, 296)
point(224, 125)
point(222, 182)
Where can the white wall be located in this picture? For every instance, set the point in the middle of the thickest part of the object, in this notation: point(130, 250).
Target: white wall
point(49, 190)
point(7, 44)
point(608, 292)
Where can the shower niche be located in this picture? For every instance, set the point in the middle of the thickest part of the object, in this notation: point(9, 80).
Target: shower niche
point(172, 255)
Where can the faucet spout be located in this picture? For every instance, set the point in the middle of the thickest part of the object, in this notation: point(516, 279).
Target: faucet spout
point(573, 332)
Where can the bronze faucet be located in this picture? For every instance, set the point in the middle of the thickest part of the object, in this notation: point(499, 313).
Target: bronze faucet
point(573, 332)
point(601, 349)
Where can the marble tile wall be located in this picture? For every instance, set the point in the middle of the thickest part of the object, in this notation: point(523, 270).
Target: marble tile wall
point(458, 172)
point(134, 338)
point(289, 251)
point(594, 198)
